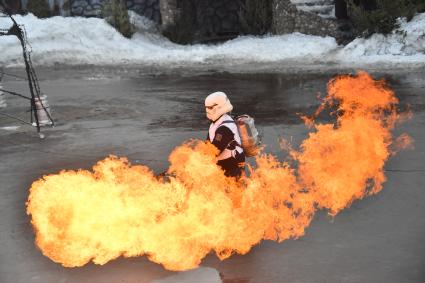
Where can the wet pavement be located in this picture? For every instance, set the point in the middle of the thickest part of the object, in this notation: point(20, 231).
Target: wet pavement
point(145, 115)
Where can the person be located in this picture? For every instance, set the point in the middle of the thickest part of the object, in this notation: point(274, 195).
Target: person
point(224, 134)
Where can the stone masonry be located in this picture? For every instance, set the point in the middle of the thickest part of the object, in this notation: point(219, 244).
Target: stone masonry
point(169, 12)
point(287, 19)
point(323, 8)
point(212, 19)
point(217, 17)
point(93, 8)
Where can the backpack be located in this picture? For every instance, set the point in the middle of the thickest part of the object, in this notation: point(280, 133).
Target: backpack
point(250, 138)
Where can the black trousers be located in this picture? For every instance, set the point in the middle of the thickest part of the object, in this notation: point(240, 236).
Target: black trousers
point(233, 166)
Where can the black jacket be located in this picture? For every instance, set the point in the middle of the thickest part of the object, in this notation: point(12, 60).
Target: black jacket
point(225, 138)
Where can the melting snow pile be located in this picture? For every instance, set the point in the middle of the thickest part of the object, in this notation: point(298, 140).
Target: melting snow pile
point(404, 44)
point(92, 41)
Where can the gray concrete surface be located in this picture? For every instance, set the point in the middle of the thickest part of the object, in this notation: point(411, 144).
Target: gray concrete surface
point(201, 274)
point(143, 116)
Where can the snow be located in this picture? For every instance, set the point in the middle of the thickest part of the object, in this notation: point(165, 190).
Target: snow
point(76, 41)
point(407, 43)
point(10, 128)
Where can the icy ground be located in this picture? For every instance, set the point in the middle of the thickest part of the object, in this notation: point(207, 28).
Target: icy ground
point(76, 41)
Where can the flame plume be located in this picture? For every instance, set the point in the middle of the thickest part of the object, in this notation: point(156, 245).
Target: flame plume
point(120, 209)
point(344, 161)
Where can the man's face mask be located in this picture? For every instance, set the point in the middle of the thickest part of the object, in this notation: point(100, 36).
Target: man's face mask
point(216, 105)
point(211, 110)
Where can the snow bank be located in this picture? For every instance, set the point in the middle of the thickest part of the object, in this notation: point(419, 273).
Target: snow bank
point(404, 44)
point(93, 41)
point(66, 40)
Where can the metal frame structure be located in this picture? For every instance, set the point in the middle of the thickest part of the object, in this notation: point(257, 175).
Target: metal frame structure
point(35, 99)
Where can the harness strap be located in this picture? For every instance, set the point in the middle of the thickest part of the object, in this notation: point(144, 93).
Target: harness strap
point(231, 122)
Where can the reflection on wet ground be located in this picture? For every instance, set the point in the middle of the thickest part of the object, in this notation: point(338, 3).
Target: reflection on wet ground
point(176, 101)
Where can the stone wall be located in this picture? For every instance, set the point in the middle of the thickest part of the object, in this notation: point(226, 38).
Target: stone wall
point(93, 8)
point(217, 17)
point(169, 12)
point(205, 20)
point(322, 8)
point(287, 19)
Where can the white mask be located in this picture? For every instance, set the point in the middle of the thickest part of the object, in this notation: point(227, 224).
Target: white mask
point(216, 105)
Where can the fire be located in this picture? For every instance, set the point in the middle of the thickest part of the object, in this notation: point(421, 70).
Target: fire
point(342, 162)
point(120, 209)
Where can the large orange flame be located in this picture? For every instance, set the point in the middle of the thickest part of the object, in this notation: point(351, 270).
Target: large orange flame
point(124, 210)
